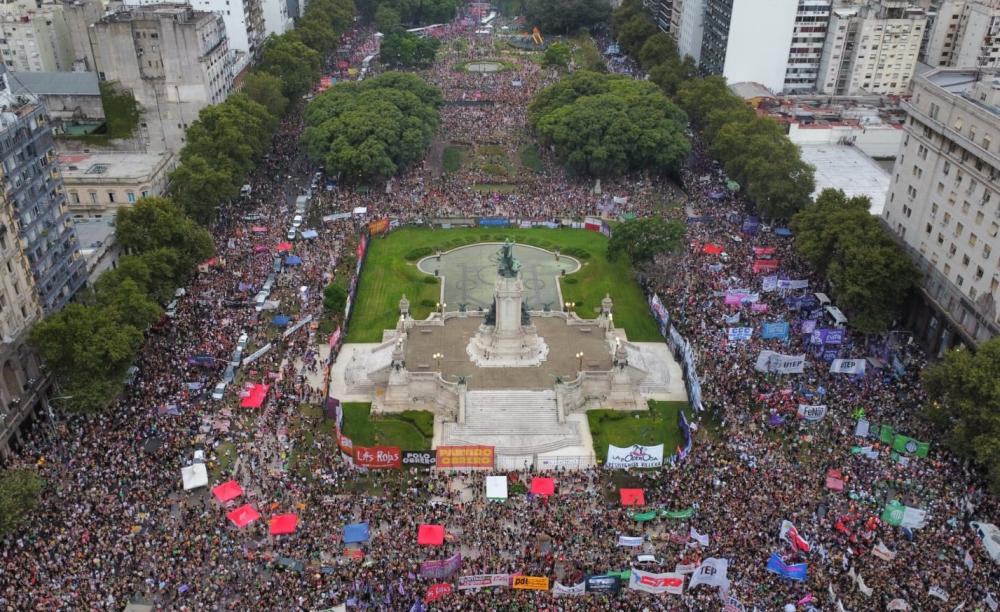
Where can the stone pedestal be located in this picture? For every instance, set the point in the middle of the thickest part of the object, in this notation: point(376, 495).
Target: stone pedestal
point(508, 343)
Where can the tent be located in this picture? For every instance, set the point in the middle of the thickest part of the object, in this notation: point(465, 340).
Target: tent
point(255, 396)
point(281, 320)
point(227, 491)
point(194, 476)
point(496, 487)
point(243, 516)
point(543, 486)
point(284, 246)
point(357, 532)
point(293, 260)
point(284, 524)
point(309, 234)
point(632, 497)
point(430, 535)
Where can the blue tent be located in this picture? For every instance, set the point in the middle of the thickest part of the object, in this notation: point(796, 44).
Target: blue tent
point(293, 260)
point(281, 320)
point(357, 532)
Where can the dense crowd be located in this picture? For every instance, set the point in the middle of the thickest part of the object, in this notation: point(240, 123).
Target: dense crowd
point(114, 525)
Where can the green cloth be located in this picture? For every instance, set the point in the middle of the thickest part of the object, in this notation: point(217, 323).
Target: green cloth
point(679, 514)
point(645, 516)
point(885, 434)
point(912, 446)
point(624, 574)
point(893, 513)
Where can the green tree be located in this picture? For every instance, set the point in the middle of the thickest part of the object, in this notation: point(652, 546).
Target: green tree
point(565, 16)
point(19, 493)
point(157, 223)
point(557, 55)
point(387, 18)
point(297, 65)
point(334, 297)
point(659, 48)
point(965, 405)
point(635, 32)
point(199, 187)
point(265, 89)
point(129, 303)
point(670, 75)
point(401, 49)
point(642, 239)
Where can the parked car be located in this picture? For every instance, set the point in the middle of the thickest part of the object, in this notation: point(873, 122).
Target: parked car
point(291, 233)
point(172, 309)
point(219, 391)
point(296, 221)
point(241, 343)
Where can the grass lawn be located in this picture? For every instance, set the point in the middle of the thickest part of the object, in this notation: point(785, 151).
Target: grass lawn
point(388, 274)
point(649, 428)
point(451, 159)
point(409, 430)
point(530, 158)
point(305, 428)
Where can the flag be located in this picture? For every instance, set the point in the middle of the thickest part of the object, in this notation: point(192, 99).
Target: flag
point(791, 535)
point(700, 538)
point(936, 591)
point(991, 602)
point(969, 564)
point(906, 444)
point(898, 605)
point(795, 571)
point(864, 588)
point(711, 572)
point(882, 552)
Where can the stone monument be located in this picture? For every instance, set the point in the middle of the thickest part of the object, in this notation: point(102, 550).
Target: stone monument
point(507, 338)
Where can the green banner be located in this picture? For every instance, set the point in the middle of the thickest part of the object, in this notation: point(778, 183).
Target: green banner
point(624, 574)
point(679, 514)
point(645, 516)
point(885, 434)
point(906, 444)
point(893, 513)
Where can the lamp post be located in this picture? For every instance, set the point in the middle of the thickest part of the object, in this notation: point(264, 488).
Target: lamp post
point(579, 359)
point(570, 306)
point(441, 306)
point(437, 358)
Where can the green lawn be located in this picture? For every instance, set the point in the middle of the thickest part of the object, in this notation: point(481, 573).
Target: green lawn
point(451, 159)
point(409, 430)
point(388, 273)
point(658, 424)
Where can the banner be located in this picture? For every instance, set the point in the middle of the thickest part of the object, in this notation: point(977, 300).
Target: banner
point(827, 336)
point(848, 366)
point(635, 456)
point(898, 515)
point(793, 284)
point(685, 568)
point(378, 457)
point(530, 583)
point(795, 571)
point(379, 226)
point(345, 443)
point(769, 283)
point(740, 296)
point(882, 552)
point(777, 330)
point(711, 572)
point(769, 361)
point(483, 581)
point(445, 568)
point(464, 457)
point(906, 444)
point(603, 584)
point(645, 516)
point(700, 538)
point(560, 590)
point(630, 541)
point(437, 591)
point(764, 251)
point(791, 535)
point(656, 583)
point(812, 413)
point(936, 591)
point(740, 334)
point(678, 514)
point(423, 458)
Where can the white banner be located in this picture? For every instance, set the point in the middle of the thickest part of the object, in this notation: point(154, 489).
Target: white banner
point(848, 366)
point(561, 590)
point(700, 538)
point(496, 487)
point(898, 604)
point(630, 541)
point(882, 552)
point(656, 583)
point(793, 284)
point(811, 412)
point(687, 568)
point(936, 591)
point(291, 330)
point(482, 581)
point(711, 572)
point(769, 283)
point(256, 354)
point(769, 361)
point(913, 518)
point(992, 602)
point(635, 456)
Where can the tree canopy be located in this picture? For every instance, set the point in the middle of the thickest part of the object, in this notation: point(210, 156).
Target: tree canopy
point(265, 89)
point(642, 239)
point(869, 274)
point(373, 129)
point(565, 16)
point(288, 58)
point(157, 223)
point(557, 55)
point(19, 492)
point(965, 404)
point(606, 125)
point(401, 49)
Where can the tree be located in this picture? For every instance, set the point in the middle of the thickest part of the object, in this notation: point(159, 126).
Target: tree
point(671, 74)
point(293, 62)
point(557, 55)
point(658, 49)
point(19, 492)
point(265, 89)
point(129, 304)
point(965, 405)
point(565, 16)
point(635, 32)
point(199, 187)
point(401, 49)
point(643, 239)
point(334, 297)
point(387, 18)
point(157, 223)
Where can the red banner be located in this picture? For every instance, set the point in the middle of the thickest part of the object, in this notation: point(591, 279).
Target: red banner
point(378, 226)
point(464, 457)
point(437, 591)
point(335, 337)
point(764, 251)
point(345, 443)
point(765, 265)
point(378, 457)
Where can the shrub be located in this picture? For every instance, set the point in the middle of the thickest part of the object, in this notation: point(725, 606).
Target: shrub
point(430, 280)
point(418, 253)
point(494, 170)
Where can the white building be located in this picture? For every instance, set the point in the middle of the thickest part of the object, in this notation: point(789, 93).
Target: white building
point(965, 34)
point(98, 184)
point(944, 204)
point(808, 35)
point(688, 26)
point(277, 18)
point(35, 37)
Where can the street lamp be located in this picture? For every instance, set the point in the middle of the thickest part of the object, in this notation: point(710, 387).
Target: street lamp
point(437, 358)
point(579, 357)
point(570, 306)
point(441, 306)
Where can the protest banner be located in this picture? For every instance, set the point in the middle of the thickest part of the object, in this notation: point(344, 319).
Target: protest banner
point(451, 457)
point(530, 583)
point(635, 456)
point(483, 581)
point(656, 583)
point(377, 457)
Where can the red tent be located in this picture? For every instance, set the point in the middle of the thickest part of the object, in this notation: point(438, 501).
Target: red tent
point(430, 535)
point(243, 516)
point(543, 486)
point(227, 491)
point(284, 246)
point(283, 524)
point(834, 480)
point(633, 497)
point(255, 396)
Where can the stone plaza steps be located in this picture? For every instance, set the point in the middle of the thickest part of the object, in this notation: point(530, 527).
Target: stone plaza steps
point(515, 422)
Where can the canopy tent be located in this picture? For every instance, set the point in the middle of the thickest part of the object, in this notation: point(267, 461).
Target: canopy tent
point(194, 476)
point(255, 396)
point(309, 234)
point(358, 532)
point(283, 524)
point(633, 497)
point(430, 535)
point(543, 486)
point(496, 487)
point(281, 320)
point(293, 260)
point(227, 491)
point(243, 516)
point(284, 246)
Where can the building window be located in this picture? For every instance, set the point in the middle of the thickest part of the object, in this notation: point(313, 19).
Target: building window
point(93, 197)
point(131, 197)
point(111, 197)
point(973, 239)
point(145, 194)
point(76, 197)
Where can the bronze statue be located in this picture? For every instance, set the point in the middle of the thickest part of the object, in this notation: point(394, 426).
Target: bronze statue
point(508, 265)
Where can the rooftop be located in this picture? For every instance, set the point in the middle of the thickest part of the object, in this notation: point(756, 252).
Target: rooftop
point(94, 232)
point(748, 90)
point(55, 83)
point(82, 167)
point(979, 87)
point(847, 168)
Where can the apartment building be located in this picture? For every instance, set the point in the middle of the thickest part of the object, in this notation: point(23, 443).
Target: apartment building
point(688, 26)
point(944, 203)
point(809, 30)
point(965, 34)
point(662, 12)
point(98, 184)
point(34, 37)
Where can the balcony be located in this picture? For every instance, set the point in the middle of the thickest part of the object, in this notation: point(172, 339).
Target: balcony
point(21, 406)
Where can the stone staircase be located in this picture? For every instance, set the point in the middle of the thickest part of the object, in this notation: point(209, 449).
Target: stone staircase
point(515, 422)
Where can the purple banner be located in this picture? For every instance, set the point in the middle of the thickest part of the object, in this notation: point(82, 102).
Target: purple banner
point(441, 569)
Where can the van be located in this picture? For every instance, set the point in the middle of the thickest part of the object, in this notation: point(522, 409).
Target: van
point(291, 233)
point(823, 299)
point(172, 309)
point(296, 221)
point(219, 391)
point(277, 265)
point(838, 318)
point(241, 343)
point(301, 203)
point(989, 536)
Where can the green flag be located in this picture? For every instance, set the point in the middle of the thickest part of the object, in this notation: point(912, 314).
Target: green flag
point(906, 444)
point(893, 513)
point(645, 516)
point(885, 434)
point(679, 514)
point(624, 574)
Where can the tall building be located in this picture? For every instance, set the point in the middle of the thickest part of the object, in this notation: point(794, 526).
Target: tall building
point(174, 59)
point(808, 36)
point(279, 16)
point(944, 203)
point(872, 48)
point(33, 190)
point(965, 34)
point(688, 24)
point(662, 12)
point(35, 37)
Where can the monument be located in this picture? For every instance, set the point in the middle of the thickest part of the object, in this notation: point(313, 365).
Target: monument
point(507, 338)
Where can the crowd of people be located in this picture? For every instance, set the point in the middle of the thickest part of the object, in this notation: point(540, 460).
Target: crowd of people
point(114, 526)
